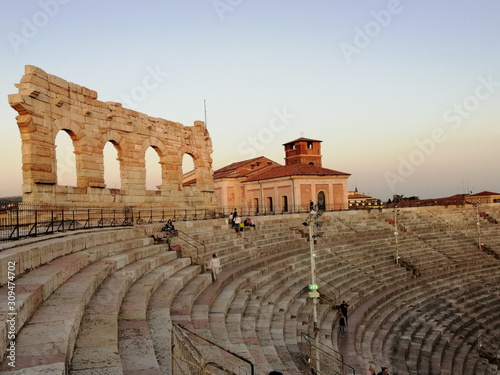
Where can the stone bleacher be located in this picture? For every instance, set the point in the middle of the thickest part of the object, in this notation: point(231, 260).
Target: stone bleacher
point(103, 301)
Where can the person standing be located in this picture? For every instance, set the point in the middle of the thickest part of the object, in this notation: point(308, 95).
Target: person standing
point(385, 371)
point(342, 325)
point(343, 311)
point(215, 267)
point(235, 213)
point(237, 223)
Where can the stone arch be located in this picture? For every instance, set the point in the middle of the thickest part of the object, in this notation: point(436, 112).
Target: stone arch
point(154, 142)
point(48, 104)
point(65, 161)
point(71, 127)
point(162, 152)
point(191, 151)
point(119, 143)
point(79, 141)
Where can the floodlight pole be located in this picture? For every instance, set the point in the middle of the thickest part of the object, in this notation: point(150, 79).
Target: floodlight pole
point(478, 224)
point(313, 271)
point(313, 293)
point(396, 211)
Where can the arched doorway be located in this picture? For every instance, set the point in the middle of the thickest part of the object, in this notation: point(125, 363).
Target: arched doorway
point(284, 203)
point(321, 201)
point(153, 169)
point(65, 159)
point(255, 203)
point(269, 204)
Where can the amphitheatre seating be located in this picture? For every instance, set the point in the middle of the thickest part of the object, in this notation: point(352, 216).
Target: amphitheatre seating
point(112, 295)
point(51, 298)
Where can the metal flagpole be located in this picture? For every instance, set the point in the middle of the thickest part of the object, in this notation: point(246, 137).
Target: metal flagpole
point(205, 108)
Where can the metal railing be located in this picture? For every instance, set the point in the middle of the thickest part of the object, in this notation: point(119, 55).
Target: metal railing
point(194, 354)
point(489, 350)
point(191, 241)
point(323, 359)
point(29, 221)
point(332, 296)
point(22, 220)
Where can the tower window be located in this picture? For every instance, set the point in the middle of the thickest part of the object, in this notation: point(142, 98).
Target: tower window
point(309, 145)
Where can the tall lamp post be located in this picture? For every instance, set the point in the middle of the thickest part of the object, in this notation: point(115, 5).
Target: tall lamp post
point(478, 224)
point(312, 222)
point(396, 213)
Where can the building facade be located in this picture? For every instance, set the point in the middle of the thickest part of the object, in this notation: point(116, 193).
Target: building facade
point(261, 185)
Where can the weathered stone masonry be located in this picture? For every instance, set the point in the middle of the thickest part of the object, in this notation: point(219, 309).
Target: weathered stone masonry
point(48, 104)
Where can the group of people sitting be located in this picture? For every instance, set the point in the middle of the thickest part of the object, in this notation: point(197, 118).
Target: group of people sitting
point(235, 222)
point(169, 227)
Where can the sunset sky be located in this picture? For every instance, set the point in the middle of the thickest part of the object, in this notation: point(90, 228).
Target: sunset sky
point(405, 95)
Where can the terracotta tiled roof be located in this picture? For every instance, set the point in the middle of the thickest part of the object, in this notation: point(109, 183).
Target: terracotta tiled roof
point(243, 168)
point(236, 165)
point(295, 170)
point(484, 194)
point(302, 139)
point(358, 196)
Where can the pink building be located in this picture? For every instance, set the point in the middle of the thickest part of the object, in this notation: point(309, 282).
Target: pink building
point(261, 185)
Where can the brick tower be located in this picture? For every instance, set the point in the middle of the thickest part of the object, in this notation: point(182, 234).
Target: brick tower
point(303, 151)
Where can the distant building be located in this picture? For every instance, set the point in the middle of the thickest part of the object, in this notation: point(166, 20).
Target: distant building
point(260, 185)
point(358, 200)
point(457, 200)
point(484, 197)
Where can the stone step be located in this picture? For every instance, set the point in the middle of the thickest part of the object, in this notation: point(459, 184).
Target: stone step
point(35, 287)
point(136, 346)
point(96, 347)
point(158, 314)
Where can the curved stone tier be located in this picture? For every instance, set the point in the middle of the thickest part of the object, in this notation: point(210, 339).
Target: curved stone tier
point(103, 301)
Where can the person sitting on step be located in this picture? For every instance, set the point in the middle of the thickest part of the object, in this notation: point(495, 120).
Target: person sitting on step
point(249, 223)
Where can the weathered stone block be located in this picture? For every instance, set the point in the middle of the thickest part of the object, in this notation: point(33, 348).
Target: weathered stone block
point(47, 104)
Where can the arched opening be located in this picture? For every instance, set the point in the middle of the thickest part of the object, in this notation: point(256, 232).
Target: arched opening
point(188, 170)
point(321, 201)
point(255, 205)
point(284, 203)
point(153, 169)
point(65, 159)
point(269, 204)
point(112, 176)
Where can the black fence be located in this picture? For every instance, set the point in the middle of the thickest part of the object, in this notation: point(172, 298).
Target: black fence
point(18, 221)
point(22, 220)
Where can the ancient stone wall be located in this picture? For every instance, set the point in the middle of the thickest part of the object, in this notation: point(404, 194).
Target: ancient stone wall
point(48, 104)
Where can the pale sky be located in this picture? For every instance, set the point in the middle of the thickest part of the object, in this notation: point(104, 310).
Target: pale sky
point(405, 95)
